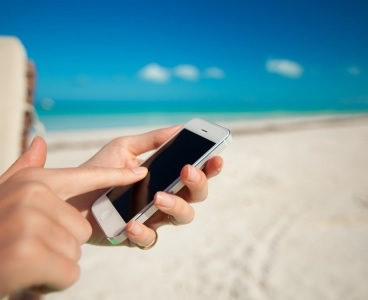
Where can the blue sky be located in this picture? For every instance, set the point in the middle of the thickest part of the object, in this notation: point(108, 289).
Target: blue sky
point(270, 52)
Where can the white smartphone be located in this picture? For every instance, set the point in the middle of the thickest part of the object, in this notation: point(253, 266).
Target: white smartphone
point(194, 144)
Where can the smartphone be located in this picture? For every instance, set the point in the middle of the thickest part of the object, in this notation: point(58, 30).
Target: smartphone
point(194, 144)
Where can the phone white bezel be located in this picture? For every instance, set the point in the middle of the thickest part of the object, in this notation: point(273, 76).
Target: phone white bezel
point(109, 219)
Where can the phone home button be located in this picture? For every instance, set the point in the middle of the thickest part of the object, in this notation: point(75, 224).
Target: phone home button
point(106, 215)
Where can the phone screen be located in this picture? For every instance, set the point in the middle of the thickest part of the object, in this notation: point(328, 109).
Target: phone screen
point(163, 169)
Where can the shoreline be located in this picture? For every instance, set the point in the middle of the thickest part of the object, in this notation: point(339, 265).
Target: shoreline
point(103, 120)
point(86, 138)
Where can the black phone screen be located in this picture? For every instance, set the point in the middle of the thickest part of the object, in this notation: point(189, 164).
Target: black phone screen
point(164, 168)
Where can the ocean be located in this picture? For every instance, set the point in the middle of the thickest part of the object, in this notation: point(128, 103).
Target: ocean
point(63, 115)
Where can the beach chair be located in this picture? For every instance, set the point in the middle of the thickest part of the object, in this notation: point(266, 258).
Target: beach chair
point(17, 85)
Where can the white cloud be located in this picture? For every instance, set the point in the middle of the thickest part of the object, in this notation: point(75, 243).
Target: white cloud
point(354, 70)
point(214, 72)
point(154, 72)
point(186, 72)
point(284, 67)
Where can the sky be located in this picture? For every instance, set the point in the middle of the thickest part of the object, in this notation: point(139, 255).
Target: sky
point(274, 53)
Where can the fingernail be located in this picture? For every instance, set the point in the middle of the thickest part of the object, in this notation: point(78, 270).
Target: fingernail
point(193, 174)
point(135, 228)
point(140, 170)
point(164, 199)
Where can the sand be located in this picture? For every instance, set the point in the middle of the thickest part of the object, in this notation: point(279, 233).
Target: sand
point(286, 219)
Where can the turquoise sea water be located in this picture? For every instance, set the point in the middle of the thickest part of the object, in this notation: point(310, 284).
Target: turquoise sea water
point(82, 114)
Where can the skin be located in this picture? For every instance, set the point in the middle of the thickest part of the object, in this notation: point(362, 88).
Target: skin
point(41, 233)
point(123, 152)
point(45, 214)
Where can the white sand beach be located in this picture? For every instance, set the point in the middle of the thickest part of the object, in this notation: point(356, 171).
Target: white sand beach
point(286, 219)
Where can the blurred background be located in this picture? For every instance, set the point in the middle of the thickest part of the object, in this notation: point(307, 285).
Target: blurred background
point(287, 218)
point(99, 60)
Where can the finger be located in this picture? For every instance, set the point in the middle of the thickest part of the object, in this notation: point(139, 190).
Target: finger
point(67, 183)
point(196, 185)
point(35, 156)
point(60, 240)
point(140, 234)
point(37, 198)
point(57, 272)
point(181, 211)
point(38, 265)
point(151, 140)
point(35, 224)
point(213, 166)
point(65, 215)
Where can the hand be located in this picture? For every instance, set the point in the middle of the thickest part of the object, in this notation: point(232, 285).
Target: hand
point(123, 152)
point(40, 234)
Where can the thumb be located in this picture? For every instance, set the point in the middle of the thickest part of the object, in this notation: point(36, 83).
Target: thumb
point(35, 156)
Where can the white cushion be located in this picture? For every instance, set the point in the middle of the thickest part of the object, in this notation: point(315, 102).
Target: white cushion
point(13, 89)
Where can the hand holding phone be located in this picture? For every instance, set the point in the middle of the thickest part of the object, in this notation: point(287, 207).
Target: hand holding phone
point(198, 141)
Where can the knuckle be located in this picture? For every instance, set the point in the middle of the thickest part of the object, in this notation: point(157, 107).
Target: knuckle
point(27, 221)
point(26, 249)
point(117, 142)
point(188, 214)
point(74, 250)
point(74, 273)
point(86, 231)
point(199, 195)
point(204, 195)
point(184, 213)
point(69, 274)
point(31, 191)
point(120, 145)
point(191, 215)
point(179, 205)
point(78, 253)
point(26, 174)
point(148, 237)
